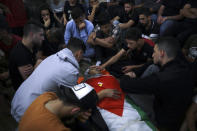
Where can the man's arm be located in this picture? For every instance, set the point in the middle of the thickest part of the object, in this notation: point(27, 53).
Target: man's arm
point(110, 93)
point(107, 42)
point(126, 25)
point(91, 16)
point(26, 70)
point(114, 59)
point(160, 12)
point(67, 33)
point(189, 12)
point(145, 85)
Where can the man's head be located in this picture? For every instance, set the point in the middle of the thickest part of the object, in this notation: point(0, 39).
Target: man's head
point(55, 35)
point(34, 33)
point(81, 97)
point(166, 49)
point(104, 22)
point(144, 17)
point(78, 15)
point(77, 47)
point(128, 5)
point(72, 2)
point(133, 35)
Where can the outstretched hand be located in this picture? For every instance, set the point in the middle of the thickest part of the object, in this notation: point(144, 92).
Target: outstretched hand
point(110, 93)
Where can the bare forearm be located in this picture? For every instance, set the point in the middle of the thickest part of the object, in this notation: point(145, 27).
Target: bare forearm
point(176, 17)
point(103, 43)
point(160, 12)
point(91, 16)
point(126, 25)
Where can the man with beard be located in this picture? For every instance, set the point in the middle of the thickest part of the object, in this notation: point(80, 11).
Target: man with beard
point(22, 57)
point(148, 27)
point(168, 86)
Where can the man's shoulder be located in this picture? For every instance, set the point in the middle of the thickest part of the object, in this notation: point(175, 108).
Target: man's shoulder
point(19, 49)
point(89, 23)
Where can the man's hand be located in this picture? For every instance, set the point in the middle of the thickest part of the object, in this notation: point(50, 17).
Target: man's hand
point(25, 70)
point(159, 19)
point(110, 93)
point(82, 26)
point(109, 40)
point(131, 74)
point(84, 116)
point(47, 22)
point(126, 69)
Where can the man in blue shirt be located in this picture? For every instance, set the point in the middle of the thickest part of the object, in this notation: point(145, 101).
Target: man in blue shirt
point(80, 28)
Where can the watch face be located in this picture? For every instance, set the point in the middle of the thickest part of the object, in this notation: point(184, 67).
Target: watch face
point(79, 87)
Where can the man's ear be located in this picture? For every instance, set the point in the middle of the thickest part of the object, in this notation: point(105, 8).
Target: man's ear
point(75, 110)
point(78, 53)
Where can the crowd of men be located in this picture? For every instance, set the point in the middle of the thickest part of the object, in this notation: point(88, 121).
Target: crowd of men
point(150, 46)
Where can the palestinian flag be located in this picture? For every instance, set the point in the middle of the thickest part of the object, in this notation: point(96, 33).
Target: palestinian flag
point(121, 114)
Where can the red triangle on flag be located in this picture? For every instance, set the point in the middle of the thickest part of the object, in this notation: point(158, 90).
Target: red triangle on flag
point(108, 82)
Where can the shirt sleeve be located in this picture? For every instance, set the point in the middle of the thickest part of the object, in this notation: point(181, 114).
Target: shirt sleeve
point(147, 85)
point(90, 27)
point(67, 33)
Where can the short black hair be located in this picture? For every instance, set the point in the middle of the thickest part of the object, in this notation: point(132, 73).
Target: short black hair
point(170, 45)
point(103, 18)
point(144, 11)
point(68, 97)
point(130, 2)
point(57, 33)
point(75, 44)
point(133, 34)
point(32, 26)
point(76, 13)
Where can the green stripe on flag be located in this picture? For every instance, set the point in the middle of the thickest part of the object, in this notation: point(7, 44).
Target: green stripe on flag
point(142, 114)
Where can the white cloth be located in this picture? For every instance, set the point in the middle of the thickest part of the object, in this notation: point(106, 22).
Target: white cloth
point(58, 69)
point(130, 120)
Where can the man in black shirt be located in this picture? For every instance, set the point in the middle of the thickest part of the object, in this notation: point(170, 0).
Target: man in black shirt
point(146, 25)
point(137, 50)
point(22, 58)
point(168, 14)
point(129, 16)
point(172, 86)
point(102, 39)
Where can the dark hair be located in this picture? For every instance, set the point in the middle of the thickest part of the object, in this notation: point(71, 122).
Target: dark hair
point(58, 34)
point(144, 11)
point(68, 97)
point(130, 2)
point(103, 18)
point(76, 13)
point(133, 34)
point(76, 44)
point(46, 7)
point(32, 26)
point(170, 45)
